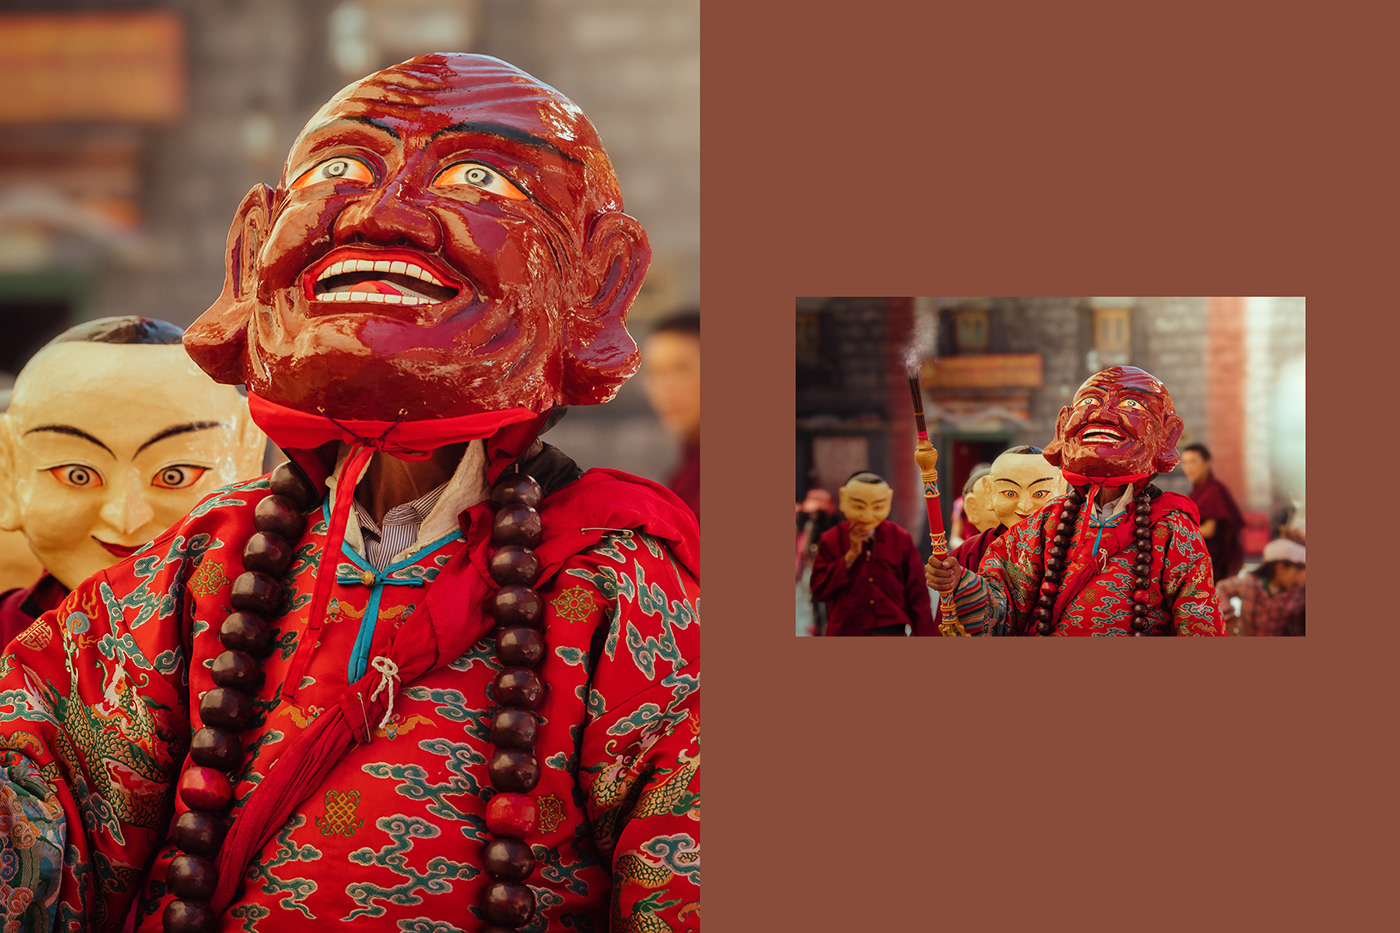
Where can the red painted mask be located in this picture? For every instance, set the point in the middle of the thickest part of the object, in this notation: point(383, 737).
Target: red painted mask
point(446, 239)
point(1121, 423)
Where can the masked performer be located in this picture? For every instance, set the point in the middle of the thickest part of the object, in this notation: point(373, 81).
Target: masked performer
point(867, 570)
point(1116, 556)
point(112, 434)
point(307, 673)
point(1018, 485)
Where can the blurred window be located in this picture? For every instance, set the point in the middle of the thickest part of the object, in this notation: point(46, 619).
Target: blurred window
point(971, 331)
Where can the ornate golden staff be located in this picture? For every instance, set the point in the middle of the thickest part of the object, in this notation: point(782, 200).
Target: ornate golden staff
point(927, 457)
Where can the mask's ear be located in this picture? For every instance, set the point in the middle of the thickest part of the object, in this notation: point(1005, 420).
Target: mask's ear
point(9, 505)
point(1054, 450)
point(599, 354)
point(218, 340)
point(1167, 454)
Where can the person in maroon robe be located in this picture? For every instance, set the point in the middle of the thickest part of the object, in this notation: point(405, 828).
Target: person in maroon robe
point(1018, 484)
point(1221, 521)
point(671, 378)
point(868, 570)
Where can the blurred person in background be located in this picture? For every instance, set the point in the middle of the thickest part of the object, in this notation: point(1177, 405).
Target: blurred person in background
point(112, 434)
point(1221, 521)
point(867, 569)
point(671, 378)
point(815, 514)
point(1018, 484)
point(18, 566)
point(966, 524)
point(1272, 596)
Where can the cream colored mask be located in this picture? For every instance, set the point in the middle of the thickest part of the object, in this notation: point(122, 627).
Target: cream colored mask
point(978, 508)
point(105, 445)
point(865, 503)
point(1019, 485)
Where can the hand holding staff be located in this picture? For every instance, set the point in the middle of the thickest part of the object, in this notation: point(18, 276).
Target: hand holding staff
point(927, 458)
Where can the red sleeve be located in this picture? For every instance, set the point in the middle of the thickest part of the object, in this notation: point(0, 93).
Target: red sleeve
point(829, 575)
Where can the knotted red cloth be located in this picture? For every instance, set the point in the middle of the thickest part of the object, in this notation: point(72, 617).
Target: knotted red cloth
point(449, 622)
point(1117, 539)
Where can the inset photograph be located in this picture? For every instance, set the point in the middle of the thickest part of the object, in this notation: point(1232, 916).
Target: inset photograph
point(1050, 466)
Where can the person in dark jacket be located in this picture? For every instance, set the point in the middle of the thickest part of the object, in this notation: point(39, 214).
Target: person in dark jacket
point(1221, 521)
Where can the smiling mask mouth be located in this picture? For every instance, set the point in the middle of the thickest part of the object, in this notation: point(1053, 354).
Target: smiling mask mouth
point(1098, 434)
point(379, 280)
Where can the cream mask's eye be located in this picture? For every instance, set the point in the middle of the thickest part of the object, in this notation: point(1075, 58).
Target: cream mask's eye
point(178, 476)
point(341, 168)
point(77, 476)
point(478, 176)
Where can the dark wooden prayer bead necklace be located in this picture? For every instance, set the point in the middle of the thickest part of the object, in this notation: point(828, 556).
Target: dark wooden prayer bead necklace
point(216, 750)
point(1059, 551)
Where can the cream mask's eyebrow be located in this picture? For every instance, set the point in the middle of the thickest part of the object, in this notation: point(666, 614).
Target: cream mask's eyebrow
point(72, 431)
point(508, 132)
point(181, 429)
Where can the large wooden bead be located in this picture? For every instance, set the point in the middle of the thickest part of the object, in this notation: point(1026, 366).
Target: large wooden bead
point(256, 592)
point(1044, 628)
point(1048, 588)
point(237, 669)
point(205, 789)
point(1041, 614)
point(519, 646)
point(509, 904)
point(514, 564)
point(514, 728)
point(198, 832)
point(246, 631)
point(517, 524)
point(516, 489)
point(268, 553)
point(290, 482)
point(517, 605)
point(216, 748)
point(514, 769)
point(187, 917)
point(1139, 623)
point(279, 515)
point(519, 687)
point(191, 876)
point(509, 859)
point(513, 815)
point(226, 708)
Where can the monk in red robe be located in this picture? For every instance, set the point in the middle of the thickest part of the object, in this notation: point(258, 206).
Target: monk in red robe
point(1116, 556)
point(867, 569)
point(429, 676)
point(1221, 520)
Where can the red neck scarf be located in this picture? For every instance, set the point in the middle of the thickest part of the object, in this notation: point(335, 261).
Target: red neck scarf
point(300, 433)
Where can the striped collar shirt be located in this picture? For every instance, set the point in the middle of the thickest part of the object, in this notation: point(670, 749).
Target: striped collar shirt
point(399, 530)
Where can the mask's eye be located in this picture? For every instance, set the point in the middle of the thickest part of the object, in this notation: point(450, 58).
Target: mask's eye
point(339, 169)
point(77, 476)
point(1042, 493)
point(1086, 401)
point(178, 476)
point(480, 176)
point(1131, 403)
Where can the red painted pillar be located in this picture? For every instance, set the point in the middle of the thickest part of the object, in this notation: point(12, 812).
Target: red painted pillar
point(1225, 374)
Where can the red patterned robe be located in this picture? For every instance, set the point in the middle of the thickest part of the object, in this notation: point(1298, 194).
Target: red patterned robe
point(98, 701)
point(1181, 598)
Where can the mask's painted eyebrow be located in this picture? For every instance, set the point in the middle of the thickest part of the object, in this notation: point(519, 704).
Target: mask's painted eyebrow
point(1005, 479)
point(181, 429)
point(72, 432)
point(508, 132)
point(1044, 479)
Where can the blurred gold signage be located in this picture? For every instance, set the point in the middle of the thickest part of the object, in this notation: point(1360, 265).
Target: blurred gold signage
point(996, 371)
point(63, 67)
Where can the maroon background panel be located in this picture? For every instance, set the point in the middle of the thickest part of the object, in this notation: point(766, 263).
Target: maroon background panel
point(1047, 149)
